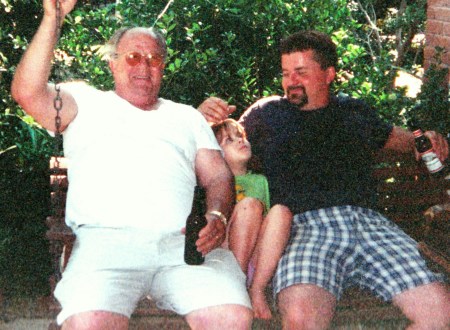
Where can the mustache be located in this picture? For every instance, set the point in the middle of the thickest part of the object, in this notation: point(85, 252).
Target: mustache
point(290, 88)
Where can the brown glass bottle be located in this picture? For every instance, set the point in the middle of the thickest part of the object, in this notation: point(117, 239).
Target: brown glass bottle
point(425, 149)
point(194, 223)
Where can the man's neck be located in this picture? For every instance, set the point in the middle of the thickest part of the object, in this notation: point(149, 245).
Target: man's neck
point(313, 108)
point(316, 103)
point(143, 103)
point(153, 105)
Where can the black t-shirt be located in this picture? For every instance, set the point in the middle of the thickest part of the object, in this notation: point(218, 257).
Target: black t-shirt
point(316, 159)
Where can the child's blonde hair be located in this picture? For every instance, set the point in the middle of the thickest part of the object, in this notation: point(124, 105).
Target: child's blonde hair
point(228, 127)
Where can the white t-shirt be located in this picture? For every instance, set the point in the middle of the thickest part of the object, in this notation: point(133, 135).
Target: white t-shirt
point(129, 167)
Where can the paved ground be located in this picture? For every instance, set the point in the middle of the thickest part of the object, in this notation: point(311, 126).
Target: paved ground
point(26, 324)
point(42, 324)
point(24, 313)
point(33, 314)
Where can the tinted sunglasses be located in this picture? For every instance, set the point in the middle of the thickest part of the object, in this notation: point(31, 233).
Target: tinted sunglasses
point(134, 58)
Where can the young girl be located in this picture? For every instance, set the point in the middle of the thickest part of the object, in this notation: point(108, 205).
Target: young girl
point(257, 234)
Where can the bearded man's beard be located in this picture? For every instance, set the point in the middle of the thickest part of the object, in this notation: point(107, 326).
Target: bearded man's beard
point(299, 99)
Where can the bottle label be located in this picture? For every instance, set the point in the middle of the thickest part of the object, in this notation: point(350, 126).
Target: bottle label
point(432, 162)
point(428, 154)
point(417, 133)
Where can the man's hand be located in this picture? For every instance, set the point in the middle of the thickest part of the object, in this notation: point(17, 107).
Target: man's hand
point(440, 144)
point(66, 7)
point(215, 109)
point(212, 235)
point(402, 140)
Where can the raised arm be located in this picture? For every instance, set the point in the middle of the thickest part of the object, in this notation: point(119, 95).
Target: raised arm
point(215, 109)
point(30, 87)
point(402, 140)
point(214, 175)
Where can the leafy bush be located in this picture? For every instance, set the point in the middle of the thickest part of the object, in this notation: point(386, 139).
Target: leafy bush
point(433, 103)
point(24, 253)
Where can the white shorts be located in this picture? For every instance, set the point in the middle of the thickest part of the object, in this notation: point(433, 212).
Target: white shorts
point(112, 269)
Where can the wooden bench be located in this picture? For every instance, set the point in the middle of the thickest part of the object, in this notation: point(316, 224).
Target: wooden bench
point(406, 194)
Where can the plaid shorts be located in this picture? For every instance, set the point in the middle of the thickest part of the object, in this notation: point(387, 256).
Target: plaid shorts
point(339, 247)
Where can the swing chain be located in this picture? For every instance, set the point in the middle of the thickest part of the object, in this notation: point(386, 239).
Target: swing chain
point(57, 102)
point(57, 105)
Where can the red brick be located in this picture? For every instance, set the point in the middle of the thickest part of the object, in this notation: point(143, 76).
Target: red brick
point(434, 27)
point(437, 31)
point(429, 52)
point(446, 59)
point(431, 12)
point(439, 13)
point(442, 14)
point(438, 3)
point(446, 29)
point(438, 40)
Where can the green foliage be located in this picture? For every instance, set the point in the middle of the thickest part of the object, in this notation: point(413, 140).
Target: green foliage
point(227, 48)
point(432, 108)
point(224, 48)
point(24, 253)
point(386, 33)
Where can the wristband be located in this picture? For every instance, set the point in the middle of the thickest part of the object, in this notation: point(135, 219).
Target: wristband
point(220, 215)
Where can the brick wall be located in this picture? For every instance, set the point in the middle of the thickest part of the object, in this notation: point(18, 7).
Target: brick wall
point(437, 32)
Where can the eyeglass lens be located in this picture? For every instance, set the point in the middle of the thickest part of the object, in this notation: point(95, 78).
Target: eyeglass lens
point(134, 58)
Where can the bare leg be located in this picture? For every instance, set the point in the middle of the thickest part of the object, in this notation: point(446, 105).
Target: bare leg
point(221, 317)
point(272, 240)
point(427, 306)
point(96, 320)
point(244, 229)
point(306, 306)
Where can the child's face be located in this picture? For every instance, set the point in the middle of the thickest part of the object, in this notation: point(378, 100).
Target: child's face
point(236, 148)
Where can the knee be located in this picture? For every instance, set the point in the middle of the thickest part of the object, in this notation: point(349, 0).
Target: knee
point(251, 203)
point(306, 307)
point(302, 317)
point(249, 206)
point(292, 317)
point(96, 320)
point(427, 306)
point(244, 318)
point(221, 317)
point(281, 212)
point(233, 317)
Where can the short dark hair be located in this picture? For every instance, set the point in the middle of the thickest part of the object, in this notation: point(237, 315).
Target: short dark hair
point(324, 48)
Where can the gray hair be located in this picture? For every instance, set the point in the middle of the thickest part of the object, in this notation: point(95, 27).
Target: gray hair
point(110, 48)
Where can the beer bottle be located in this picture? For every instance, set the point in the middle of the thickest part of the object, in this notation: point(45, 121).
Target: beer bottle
point(425, 149)
point(194, 223)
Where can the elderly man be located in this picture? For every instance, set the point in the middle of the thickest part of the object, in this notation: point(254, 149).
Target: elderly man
point(128, 225)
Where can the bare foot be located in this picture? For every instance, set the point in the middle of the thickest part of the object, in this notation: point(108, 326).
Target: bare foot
point(260, 307)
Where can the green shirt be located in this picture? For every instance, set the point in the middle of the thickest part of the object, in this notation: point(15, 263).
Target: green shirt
point(253, 185)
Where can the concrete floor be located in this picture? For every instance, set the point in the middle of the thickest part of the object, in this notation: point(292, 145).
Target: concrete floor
point(26, 324)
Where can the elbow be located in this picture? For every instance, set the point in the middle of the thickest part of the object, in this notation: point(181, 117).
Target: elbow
point(28, 97)
point(15, 91)
point(20, 94)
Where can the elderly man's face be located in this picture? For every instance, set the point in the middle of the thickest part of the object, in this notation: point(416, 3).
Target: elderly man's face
point(138, 69)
